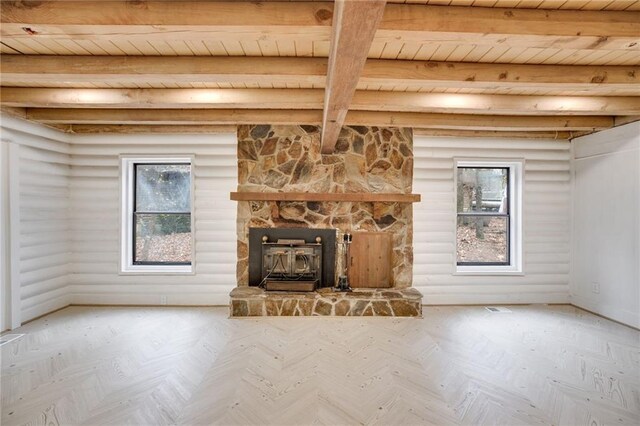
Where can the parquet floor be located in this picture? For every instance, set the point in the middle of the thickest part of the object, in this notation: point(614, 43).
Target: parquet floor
point(458, 365)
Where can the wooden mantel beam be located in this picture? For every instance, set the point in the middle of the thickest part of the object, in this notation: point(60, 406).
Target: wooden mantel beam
point(314, 117)
point(332, 196)
point(54, 70)
point(310, 21)
point(354, 26)
point(313, 99)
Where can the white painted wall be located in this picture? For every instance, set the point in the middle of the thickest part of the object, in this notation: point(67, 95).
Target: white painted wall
point(68, 202)
point(546, 222)
point(5, 259)
point(606, 244)
point(95, 214)
point(60, 220)
point(35, 232)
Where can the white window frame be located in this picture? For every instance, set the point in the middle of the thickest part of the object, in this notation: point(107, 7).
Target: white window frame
point(516, 186)
point(127, 184)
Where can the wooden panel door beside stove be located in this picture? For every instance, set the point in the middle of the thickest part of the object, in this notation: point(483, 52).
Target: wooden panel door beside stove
point(370, 260)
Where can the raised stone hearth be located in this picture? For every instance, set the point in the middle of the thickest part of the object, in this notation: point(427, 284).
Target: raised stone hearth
point(254, 301)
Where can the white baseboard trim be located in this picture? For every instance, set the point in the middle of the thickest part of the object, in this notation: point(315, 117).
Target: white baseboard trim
point(498, 294)
point(44, 308)
point(623, 316)
point(174, 299)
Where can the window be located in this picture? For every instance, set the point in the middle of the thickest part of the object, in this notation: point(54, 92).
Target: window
point(488, 223)
point(157, 225)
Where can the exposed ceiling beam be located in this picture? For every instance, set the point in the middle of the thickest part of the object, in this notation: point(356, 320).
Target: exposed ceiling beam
point(621, 121)
point(495, 104)
point(477, 122)
point(44, 69)
point(166, 20)
point(493, 134)
point(314, 117)
point(431, 74)
point(162, 98)
point(170, 20)
point(205, 129)
point(174, 116)
point(54, 70)
point(14, 111)
point(568, 29)
point(313, 99)
point(354, 26)
point(145, 129)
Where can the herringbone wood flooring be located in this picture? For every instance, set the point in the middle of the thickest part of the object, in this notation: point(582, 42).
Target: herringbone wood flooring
point(458, 365)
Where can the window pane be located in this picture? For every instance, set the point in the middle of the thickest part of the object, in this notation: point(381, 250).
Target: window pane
point(482, 239)
point(482, 190)
point(163, 238)
point(163, 188)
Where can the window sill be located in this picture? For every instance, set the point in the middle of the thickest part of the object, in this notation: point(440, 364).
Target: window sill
point(488, 271)
point(158, 270)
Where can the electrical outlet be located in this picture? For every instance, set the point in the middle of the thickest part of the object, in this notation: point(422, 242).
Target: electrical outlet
point(163, 300)
point(595, 287)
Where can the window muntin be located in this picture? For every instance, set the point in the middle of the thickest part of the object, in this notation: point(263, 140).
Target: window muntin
point(483, 216)
point(161, 217)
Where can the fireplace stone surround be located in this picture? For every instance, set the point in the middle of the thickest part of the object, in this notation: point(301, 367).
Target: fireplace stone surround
point(287, 159)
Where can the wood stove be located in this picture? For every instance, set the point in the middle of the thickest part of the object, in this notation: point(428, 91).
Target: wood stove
point(299, 259)
point(291, 265)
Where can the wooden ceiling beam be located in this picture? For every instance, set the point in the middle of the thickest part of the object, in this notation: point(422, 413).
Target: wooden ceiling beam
point(354, 26)
point(45, 69)
point(162, 98)
point(166, 20)
point(310, 21)
point(314, 117)
point(53, 70)
point(477, 122)
point(432, 74)
point(174, 116)
point(146, 129)
point(313, 99)
point(206, 129)
point(567, 29)
point(494, 104)
point(556, 135)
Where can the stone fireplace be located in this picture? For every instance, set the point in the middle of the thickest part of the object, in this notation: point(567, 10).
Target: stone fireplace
point(367, 162)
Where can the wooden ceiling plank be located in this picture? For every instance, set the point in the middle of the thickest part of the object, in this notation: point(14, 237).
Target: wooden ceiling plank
point(313, 99)
point(354, 26)
point(314, 117)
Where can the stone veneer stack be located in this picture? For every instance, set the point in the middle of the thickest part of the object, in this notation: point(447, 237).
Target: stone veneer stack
point(366, 160)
